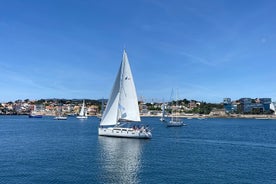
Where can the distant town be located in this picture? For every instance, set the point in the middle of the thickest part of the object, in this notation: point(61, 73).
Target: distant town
point(244, 107)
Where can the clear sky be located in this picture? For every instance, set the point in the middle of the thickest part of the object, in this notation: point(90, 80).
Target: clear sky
point(207, 49)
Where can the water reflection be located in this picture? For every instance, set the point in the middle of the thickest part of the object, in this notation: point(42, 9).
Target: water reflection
point(120, 159)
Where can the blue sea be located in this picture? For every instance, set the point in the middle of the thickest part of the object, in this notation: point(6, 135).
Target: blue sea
point(47, 151)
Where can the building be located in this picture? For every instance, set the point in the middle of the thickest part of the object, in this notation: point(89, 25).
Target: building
point(266, 103)
point(227, 103)
point(248, 106)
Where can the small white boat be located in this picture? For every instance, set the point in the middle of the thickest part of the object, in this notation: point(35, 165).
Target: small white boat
point(60, 118)
point(201, 118)
point(83, 112)
point(262, 118)
point(60, 115)
point(122, 107)
point(175, 123)
point(35, 114)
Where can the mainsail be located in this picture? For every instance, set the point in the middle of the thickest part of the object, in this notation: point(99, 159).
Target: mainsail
point(82, 109)
point(122, 104)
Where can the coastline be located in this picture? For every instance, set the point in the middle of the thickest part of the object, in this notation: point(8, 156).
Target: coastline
point(234, 116)
point(187, 116)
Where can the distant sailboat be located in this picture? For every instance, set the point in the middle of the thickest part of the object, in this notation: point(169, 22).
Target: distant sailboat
point(175, 121)
point(35, 114)
point(60, 118)
point(122, 107)
point(60, 115)
point(83, 112)
point(163, 113)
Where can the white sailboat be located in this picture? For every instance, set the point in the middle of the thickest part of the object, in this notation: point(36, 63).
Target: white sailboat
point(83, 112)
point(163, 113)
point(175, 121)
point(122, 107)
point(35, 114)
point(60, 115)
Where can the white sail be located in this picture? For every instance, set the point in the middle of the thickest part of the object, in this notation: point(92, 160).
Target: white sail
point(110, 115)
point(82, 109)
point(123, 103)
point(83, 112)
point(128, 102)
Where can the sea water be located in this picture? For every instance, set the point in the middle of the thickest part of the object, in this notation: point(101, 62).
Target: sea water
point(205, 151)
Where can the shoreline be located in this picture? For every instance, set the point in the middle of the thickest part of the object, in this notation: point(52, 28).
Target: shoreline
point(194, 116)
point(232, 116)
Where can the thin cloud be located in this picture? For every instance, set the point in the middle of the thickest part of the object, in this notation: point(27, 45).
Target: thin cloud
point(197, 59)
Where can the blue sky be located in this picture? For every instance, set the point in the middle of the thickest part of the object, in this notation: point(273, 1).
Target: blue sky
point(207, 49)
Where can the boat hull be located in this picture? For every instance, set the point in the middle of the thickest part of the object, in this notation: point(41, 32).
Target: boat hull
point(175, 124)
point(35, 116)
point(60, 118)
point(82, 117)
point(125, 132)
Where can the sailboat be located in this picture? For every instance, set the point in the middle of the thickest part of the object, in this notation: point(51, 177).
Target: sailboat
point(163, 113)
point(175, 121)
point(60, 115)
point(35, 113)
point(83, 112)
point(122, 107)
point(60, 118)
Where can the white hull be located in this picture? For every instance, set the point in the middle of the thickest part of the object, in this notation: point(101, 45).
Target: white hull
point(175, 124)
point(141, 133)
point(60, 118)
point(82, 117)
